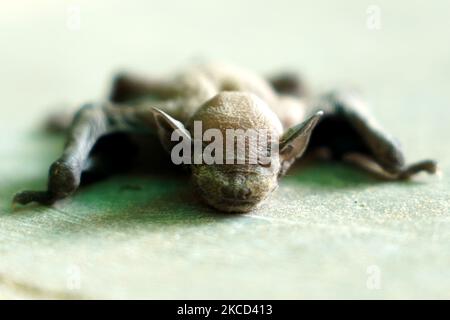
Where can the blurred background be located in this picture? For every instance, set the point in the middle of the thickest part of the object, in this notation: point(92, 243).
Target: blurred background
point(67, 50)
point(322, 235)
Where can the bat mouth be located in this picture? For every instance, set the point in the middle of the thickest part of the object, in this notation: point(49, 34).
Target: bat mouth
point(231, 205)
point(234, 206)
point(228, 204)
point(232, 201)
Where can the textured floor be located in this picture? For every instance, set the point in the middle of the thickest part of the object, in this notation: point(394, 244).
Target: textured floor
point(330, 231)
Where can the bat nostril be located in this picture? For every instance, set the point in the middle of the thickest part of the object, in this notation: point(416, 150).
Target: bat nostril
point(241, 193)
point(244, 193)
point(228, 191)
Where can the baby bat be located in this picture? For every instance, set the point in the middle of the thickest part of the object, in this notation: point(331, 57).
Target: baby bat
point(222, 97)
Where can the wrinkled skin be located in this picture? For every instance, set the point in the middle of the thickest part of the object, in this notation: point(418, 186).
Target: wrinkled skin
point(236, 187)
point(225, 97)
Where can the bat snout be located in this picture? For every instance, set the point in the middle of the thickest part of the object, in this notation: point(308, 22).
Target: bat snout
point(238, 193)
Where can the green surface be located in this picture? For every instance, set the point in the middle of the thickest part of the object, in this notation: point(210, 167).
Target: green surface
point(326, 233)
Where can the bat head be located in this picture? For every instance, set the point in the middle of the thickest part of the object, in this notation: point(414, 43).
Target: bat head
point(236, 149)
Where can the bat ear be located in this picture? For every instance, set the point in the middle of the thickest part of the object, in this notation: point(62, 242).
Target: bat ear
point(166, 125)
point(294, 141)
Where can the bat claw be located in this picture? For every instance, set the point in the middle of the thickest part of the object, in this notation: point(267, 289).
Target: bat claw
point(429, 166)
point(26, 197)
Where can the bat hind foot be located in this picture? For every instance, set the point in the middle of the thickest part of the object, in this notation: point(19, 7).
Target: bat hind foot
point(26, 197)
point(63, 181)
point(429, 166)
